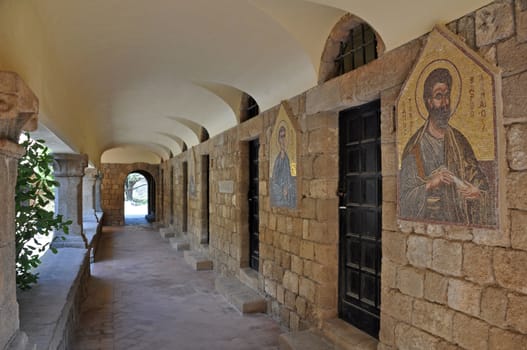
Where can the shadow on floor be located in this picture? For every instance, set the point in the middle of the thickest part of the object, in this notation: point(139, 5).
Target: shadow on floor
point(130, 220)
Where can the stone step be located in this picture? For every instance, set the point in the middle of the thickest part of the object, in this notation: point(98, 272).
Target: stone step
point(204, 249)
point(179, 243)
point(346, 337)
point(249, 277)
point(336, 334)
point(243, 298)
point(198, 260)
point(304, 340)
point(166, 232)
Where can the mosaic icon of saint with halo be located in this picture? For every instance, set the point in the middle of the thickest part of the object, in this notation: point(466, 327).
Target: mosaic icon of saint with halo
point(440, 178)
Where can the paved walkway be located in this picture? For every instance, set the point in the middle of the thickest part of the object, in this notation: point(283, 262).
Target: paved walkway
point(142, 295)
point(135, 220)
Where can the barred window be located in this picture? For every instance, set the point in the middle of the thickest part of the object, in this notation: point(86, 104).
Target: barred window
point(249, 108)
point(359, 49)
point(252, 108)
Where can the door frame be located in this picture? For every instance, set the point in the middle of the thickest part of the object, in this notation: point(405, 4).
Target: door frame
point(205, 199)
point(357, 310)
point(253, 192)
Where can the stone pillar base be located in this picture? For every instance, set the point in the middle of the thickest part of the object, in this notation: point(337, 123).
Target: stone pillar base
point(20, 342)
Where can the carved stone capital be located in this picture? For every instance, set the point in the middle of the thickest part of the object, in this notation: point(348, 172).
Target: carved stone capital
point(90, 174)
point(11, 149)
point(68, 165)
point(18, 107)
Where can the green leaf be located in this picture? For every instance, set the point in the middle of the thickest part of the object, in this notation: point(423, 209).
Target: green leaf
point(34, 190)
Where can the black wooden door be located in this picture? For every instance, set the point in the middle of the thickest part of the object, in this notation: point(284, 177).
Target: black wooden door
point(205, 187)
point(360, 217)
point(254, 254)
point(184, 198)
point(171, 195)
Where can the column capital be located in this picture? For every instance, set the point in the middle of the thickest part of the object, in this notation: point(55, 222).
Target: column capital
point(69, 164)
point(90, 174)
point(18, 107)
point(11, 149)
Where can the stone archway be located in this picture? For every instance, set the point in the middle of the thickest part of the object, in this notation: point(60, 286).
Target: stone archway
point(112, 190)
point(150, 193)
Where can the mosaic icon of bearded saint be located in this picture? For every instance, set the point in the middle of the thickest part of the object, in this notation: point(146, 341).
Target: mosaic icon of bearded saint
point(441, 179)
point(283, 184)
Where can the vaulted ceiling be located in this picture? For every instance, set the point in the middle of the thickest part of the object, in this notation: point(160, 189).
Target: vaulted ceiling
point(137, 80)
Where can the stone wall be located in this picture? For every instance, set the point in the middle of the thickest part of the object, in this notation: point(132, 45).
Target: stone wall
point(228, 248)
point(112, 189)
point(63, 284)
point(164, 208)
point(449, 287)
point(175, 192)
point(443, 287)
point(298, 247)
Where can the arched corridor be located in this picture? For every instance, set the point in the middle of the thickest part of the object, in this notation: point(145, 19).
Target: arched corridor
point(154, 300)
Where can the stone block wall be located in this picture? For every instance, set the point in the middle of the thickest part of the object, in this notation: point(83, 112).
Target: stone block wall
point(179, 191)
point(64, 286)
point(112, 189)
point(443, 287)
point(166, 191)
point(165, 196)
point(447, 287)
point(194, 212)
point(228, 215)
point(298, 248)
point(196, 200)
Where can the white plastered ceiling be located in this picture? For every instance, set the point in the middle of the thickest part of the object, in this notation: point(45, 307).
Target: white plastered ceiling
point(146, 75)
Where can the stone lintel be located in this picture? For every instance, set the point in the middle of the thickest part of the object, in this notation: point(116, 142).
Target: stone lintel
point(18, 106)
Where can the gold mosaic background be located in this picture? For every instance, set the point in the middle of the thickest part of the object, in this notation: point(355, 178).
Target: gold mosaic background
point(471, 100)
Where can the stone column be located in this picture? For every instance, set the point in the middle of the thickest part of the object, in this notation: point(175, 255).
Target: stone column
point(18, 110)
point(88, 194)
point(98, 181)
point(69, 170)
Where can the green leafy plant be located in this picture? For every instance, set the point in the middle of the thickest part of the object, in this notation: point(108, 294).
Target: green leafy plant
point(34, 219)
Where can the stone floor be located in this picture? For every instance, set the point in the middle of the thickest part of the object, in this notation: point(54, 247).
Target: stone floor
point(142, 295)
point(135, 220)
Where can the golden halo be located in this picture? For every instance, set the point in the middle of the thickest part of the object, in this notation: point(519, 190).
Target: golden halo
point(455, 93)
